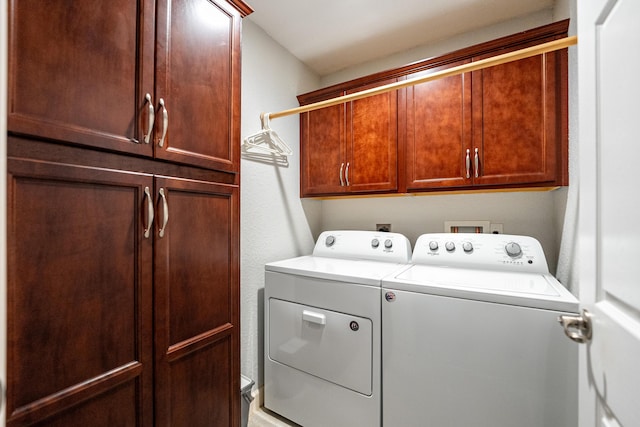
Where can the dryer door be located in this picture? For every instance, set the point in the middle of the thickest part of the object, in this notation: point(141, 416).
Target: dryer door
point(330, 345)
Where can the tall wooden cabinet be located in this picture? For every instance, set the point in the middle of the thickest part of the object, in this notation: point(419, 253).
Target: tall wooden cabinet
point(123, 213)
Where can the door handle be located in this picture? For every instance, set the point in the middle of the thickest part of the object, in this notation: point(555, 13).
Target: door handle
point(150, 117)
point(313, 317)
point(577, 328)
point(165, 121)
point(477, 163)
point(165, 212)
point(346, 175)
point(467, 161)
point(147, 195)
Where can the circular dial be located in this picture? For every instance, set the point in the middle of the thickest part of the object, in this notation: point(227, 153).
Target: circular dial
point(330, 240)
point(450, 246)
point(513, 249)
point(388, 243)
point(467, 246)
point(375, 243)
point(433, 245)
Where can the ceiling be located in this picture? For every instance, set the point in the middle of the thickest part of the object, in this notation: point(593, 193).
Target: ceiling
point(330, 35)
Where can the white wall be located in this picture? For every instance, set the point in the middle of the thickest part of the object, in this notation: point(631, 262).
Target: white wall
point(275, 223)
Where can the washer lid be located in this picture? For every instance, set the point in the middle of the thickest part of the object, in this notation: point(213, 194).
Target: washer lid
point(358, 271)
point(524, 289)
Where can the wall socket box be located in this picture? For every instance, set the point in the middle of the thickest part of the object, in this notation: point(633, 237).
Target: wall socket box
point(383, 227)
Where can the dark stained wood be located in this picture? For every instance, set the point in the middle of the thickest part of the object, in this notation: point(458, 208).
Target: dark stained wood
point(514, 121)
point(515, 115)
point(82, 278)
point(350, 148)
point(372, 142)
point(79, 296)
point(438, 123)
point(322, 150)
point(87, 84)
point(197, 305)
point(198, 77)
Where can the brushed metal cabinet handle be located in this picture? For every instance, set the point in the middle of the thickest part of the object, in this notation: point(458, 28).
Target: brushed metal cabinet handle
point(341, 180)
point(150, 212)
point(346, 175)
point(165, 121)
point(165, 212)
point(151, 118)
point(467, 162)
point(477, 163)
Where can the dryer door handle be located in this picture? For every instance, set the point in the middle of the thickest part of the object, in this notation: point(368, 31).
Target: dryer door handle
point(313, 317)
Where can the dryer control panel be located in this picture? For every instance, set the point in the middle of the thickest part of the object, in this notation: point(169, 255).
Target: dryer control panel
point(362, 244)
point(486, 251)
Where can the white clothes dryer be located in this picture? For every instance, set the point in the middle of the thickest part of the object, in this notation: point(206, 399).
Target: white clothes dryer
point(322, 346)
point(471, 338)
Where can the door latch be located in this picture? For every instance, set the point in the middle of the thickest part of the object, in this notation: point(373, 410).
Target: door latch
point(577, 328)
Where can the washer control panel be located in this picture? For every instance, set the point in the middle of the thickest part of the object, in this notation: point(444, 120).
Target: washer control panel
point(361, 244)
point(493, 251)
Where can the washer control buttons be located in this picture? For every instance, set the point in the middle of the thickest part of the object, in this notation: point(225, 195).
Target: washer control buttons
point(388, 243)
point(468, 247)
point(450, 246)
point(433, 245)
point(375, 243)
point(513, 249)
point(330, 240)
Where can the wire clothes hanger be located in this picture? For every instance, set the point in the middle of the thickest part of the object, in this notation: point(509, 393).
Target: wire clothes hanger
point(269, 141)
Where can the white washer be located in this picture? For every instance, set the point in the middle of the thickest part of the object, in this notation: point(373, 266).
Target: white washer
point(471, 338)
point(322, 343)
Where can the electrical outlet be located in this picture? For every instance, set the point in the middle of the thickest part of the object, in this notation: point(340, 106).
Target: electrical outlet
point(383, 227)
point(495, 229)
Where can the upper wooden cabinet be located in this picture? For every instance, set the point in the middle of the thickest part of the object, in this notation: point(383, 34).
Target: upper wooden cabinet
point(438, 124)
point(352, 147)
point(517, 122)
point(500, 127)
point(148, 78)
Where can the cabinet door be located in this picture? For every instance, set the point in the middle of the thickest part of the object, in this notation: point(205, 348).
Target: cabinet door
point(323, 153)
point(197, 305)
point(372, 142)
point(79, 297)
point(198, 79)
point(517, 121)
point(77, 72)
point(438, 131)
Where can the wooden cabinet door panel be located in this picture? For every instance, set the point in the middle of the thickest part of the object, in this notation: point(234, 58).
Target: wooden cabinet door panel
point(197, 303)
point(198, 77)
point(372, 135)
point(77, 72)
point(79, 296)
point(516, 121)
point(322, 148)
point(438, 122)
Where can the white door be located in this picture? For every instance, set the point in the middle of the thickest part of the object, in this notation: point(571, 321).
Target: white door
point(609, 188)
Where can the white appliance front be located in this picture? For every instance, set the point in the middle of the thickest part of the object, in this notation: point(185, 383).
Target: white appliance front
point(470, 343)
point(322, 364)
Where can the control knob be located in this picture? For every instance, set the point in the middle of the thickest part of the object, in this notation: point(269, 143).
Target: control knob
point(388, 243)
point(450, 246)
point(330, 240)
point(467, 247)
point(513, 249)
point(375, 243)
point(433, 245)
